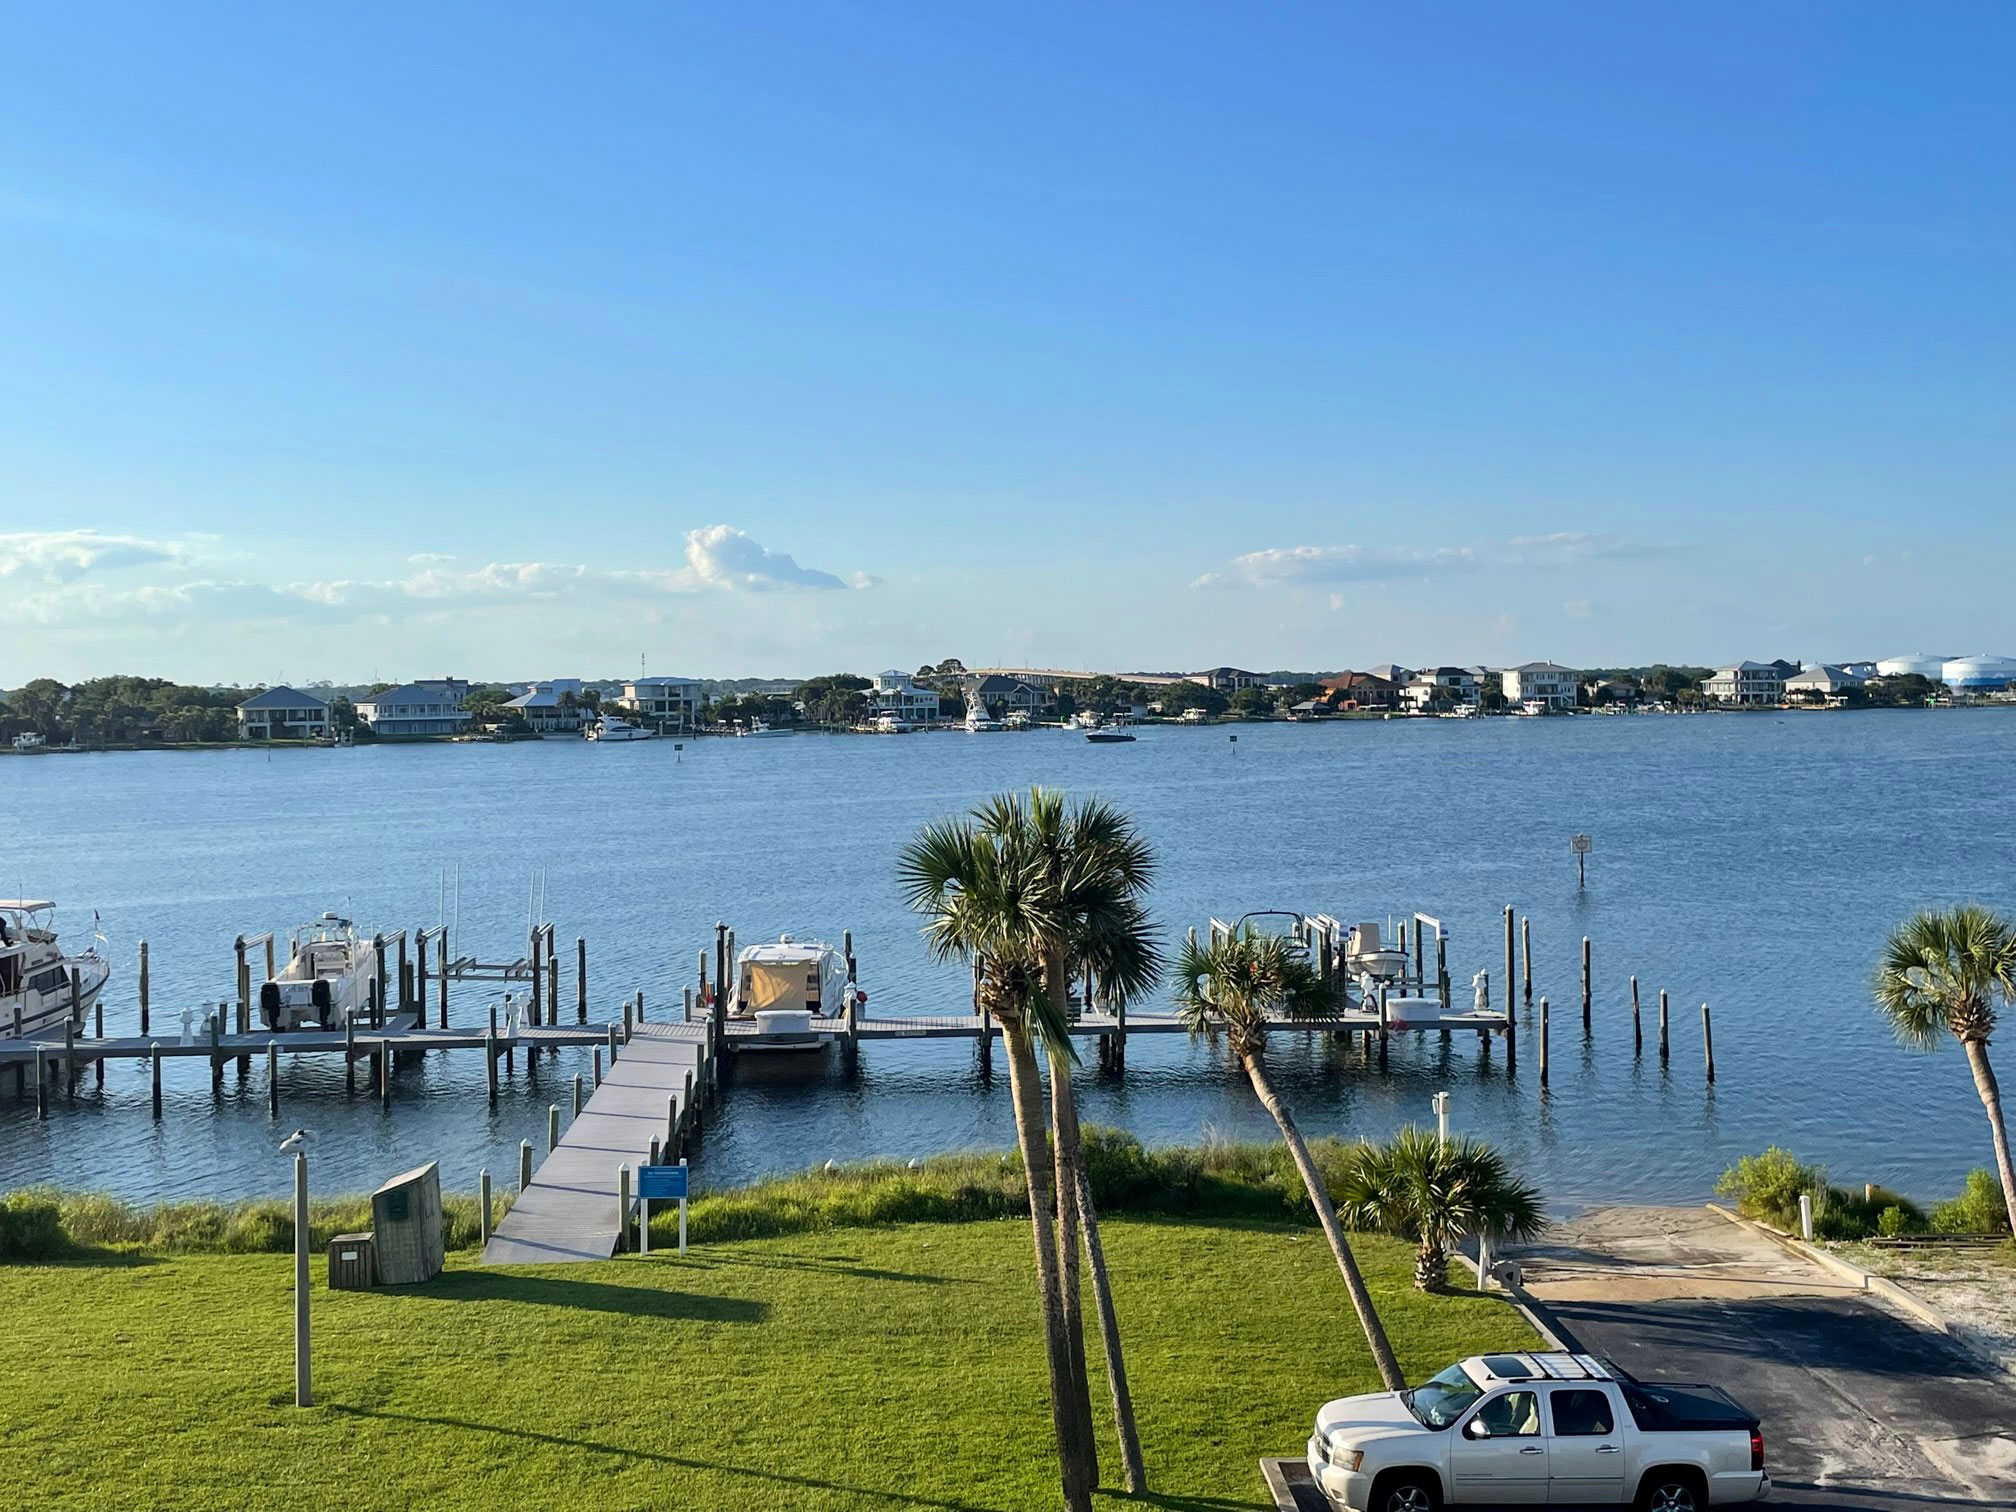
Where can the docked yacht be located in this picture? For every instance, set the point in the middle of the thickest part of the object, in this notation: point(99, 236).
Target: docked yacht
point(326, 981)
point(37, 996)
point(787, 985)
point(612, 727)
point(978, 721)
point(756, 728)
point(31, 740)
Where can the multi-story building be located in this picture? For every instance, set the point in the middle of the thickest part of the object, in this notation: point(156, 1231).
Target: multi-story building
point(1008, 695)
point(283, 714)
point(1548, 684)
point(430, 708)
point(1830, 685)
point(1228, 679)
point(1361, 690)
point(897, 698)
point(664, 702)
point(1747, 684)
point(553, 708)
point(1441, 687)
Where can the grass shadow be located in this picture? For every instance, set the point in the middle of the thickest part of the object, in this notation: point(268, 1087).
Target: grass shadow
point(89, 1257)
point(683, 1462)
point(827, 1265)
point(594, 1296)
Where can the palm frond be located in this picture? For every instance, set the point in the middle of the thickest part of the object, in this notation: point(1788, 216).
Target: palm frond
point(1941, 971)
point(1416, 1187)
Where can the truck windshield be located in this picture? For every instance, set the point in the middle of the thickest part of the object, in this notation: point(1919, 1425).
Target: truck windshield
point(1443, 1400)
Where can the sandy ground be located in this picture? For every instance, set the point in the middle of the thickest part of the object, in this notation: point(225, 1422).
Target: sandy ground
point(1973, 1288)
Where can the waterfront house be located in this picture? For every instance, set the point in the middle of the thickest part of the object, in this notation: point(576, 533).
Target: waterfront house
point(1747, 684)
point(1547, 684)
point(1391, 672)
point(283, 714)
point(431, 708)
point(664, 702)
point(896, 699)
point(1010, 695)
point(1440, 688)
point(1227, 679)
point(1822, 683)
point(1361, 690)
point(553, 708)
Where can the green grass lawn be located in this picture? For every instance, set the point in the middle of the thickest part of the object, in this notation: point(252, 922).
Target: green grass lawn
point(895, 1367)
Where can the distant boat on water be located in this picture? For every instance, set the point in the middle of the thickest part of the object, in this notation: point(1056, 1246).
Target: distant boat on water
point(611, 727)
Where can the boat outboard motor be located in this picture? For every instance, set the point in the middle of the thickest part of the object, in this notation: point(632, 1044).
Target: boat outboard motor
point(269, 1005)
point(323, 999)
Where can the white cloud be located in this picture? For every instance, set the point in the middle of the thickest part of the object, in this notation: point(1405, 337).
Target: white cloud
point(720, 556)
point(1316, 565)
point(63, 556)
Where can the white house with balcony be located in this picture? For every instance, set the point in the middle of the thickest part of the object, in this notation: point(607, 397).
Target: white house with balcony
point(664, 702)
point(283, 714)
point(552, 708)
point(430, 708)
point(896, 699)
point(1440, 687)
point(1548, 684)
point(1747, 684)
point(1828, 684)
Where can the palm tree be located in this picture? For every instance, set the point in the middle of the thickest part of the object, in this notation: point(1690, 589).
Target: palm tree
point(1232, 986)
point(1435, 1192)
point(986, 897)
point(1943, 969)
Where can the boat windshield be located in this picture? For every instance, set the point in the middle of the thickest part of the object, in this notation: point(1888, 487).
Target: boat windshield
point(1444, 1399)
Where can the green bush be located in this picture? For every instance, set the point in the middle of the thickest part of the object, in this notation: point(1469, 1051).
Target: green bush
point(1892, 1221)
point(31, 1227)
point(1978, 1209)
point(1767, 1187)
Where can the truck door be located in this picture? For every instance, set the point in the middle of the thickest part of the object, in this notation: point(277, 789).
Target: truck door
point(1585, 1452)
point(1499, 1454)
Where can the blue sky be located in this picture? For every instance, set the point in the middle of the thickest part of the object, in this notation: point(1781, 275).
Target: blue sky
point(518, 340)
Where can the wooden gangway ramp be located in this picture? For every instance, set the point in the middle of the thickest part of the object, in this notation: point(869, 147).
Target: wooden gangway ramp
point(569, 1212)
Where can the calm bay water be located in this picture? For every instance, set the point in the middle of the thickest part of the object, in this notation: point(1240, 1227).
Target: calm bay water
point(1752, 861)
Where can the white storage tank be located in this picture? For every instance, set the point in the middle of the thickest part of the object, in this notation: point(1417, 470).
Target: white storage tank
point(1917, 662)
point(1978, 674)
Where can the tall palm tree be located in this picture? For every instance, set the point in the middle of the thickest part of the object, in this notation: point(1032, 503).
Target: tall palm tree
point(987, 896)
point(1231, 986)
point(1096, 868)
point(1436, 1192)
point(1944, 969)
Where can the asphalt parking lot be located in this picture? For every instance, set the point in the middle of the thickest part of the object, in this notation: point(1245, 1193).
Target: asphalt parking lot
point(1862, 1408)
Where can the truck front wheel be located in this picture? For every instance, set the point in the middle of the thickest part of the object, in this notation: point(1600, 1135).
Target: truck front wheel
point(1405, 1491)
point(1673, 1490)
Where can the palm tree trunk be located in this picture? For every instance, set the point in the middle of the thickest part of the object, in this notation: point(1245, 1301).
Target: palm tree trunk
point(1109, 1333)
point(1025, 1089)
point(1431, 1266)
point(1991, 1099)
point(1070, 1155)
point(1326, 1214)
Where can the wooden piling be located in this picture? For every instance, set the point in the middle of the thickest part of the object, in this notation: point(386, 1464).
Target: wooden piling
point(1511, 1040)
point(441, 976)
point(41, 1085)
point(686, 1007)
point(1525, 960)
point(580, 980)
point(98, 1032)
point(598, 1065)
point(640, 1005)
point(419, 974)
point(1543, 1042)
point(384, 1075)
point(272, 1078)
point(577, 1094)
point(720, 1004)
point(612, 1047)
point(216, 1051)
point(143, 986)
point(1382, 1026)
point(483, 1203)
point(1637, 1023)
point(1664, 1043)
point(552, 1127)
point(70, 1057)
point(1508, 978)
point(349, 1054)
point(405, 976)
point(552, 977)
point(622, 1208)
point(378, 983)
point(490, 1058)
point(1708, 1044)
point(524, 1165)
point(244, 973)
point(626, 1021)
point(538, 981)
point(1585, 984)
point(154, 1076)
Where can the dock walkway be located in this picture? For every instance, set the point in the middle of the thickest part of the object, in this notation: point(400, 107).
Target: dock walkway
point(569, 1212)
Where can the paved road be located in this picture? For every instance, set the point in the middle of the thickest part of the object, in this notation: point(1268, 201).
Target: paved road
point(1862, 1408)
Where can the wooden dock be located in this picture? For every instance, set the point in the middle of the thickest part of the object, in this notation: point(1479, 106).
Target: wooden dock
point(574, 1207)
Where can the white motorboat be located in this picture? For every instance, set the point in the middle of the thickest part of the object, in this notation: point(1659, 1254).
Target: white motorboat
point(756, 728)
point(42, 988)
point(326, 981)
point(978, 721)
point(787, 985)
point(30, 740)
point(891, 724)
point(613, 727)
point(1365, 955)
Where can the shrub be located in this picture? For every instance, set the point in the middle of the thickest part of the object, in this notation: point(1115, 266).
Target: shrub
point(1767, 1187)
point(1892, 1221)
point(1978, 1209)
point(31, 1227)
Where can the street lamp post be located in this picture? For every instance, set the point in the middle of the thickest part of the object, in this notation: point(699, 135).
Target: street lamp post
point(298, 1145)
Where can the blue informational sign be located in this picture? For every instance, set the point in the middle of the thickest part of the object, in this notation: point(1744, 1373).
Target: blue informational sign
point(661, 1183)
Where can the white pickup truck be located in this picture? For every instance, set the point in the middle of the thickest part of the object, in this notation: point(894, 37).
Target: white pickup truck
point(1546, 1430)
